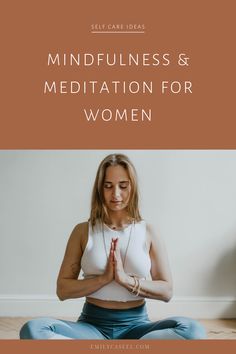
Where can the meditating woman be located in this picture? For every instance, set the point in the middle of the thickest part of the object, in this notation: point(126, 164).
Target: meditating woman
point(123, 260)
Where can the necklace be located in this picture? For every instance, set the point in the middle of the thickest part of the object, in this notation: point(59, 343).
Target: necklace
point(126, 251)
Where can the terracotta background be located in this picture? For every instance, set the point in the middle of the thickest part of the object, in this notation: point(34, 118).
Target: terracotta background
point(205, 30)
point(167, 347)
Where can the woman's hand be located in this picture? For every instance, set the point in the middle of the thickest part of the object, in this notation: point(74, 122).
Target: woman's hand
point(109, 272)
point(115, 269)
point(119, 274)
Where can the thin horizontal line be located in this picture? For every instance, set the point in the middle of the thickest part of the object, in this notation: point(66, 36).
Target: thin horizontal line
point(138, 32)
point(176, 299)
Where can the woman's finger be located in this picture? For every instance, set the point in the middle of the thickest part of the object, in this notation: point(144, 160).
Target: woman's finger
point(115, 241)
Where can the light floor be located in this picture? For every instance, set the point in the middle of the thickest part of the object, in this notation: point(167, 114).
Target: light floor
point(216, 329)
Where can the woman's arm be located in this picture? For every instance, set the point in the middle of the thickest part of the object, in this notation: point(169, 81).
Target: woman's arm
point(68, 284)
point(160, 287)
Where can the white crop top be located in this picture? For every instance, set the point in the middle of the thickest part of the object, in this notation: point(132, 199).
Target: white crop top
point(137, 260)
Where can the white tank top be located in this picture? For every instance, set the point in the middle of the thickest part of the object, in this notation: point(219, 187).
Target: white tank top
point(137, 260)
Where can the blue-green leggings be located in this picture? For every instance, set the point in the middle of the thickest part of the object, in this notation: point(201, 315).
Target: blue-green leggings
point(99, 323)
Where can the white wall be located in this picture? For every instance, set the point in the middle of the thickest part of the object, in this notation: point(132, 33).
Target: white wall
point(189, 195)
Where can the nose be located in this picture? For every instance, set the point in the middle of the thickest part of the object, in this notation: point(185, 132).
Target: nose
point(116, 192)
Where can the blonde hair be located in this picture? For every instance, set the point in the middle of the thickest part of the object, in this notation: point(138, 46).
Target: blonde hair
point(98, 209)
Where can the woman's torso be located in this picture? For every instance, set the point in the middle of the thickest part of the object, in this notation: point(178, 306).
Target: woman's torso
point(134, 245)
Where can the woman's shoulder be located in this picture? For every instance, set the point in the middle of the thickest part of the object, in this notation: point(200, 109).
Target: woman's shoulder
point(152, 230)
point(151, 227)
point(79, 233)
point(81, 227)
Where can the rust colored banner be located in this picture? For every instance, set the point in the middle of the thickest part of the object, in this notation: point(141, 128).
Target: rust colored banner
point(114, 346)
point(124, 74)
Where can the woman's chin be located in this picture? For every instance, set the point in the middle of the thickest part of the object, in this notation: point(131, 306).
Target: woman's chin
point(116, 207)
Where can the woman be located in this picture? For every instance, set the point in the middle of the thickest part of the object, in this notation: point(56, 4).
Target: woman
point(123, 260)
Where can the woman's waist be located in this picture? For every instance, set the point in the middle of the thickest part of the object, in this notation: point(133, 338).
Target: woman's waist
point(115, 305)
point(105, 316)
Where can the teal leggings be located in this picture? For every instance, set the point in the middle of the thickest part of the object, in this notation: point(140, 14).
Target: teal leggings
point(99, 323)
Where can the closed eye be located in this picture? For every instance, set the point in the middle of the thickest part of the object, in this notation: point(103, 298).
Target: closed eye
point(107, 186)
point(124, 185)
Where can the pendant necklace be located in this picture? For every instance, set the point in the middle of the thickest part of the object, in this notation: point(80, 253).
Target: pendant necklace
point(126, 251)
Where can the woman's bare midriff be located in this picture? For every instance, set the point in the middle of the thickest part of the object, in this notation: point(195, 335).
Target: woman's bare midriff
point(115, 304)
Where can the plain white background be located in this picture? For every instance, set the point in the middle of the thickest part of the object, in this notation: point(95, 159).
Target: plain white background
point(190, 196)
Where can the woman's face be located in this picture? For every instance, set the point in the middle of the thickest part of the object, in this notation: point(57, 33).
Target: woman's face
point(116, 188)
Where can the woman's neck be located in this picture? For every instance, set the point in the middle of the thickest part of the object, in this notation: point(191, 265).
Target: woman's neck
point(118, 221)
